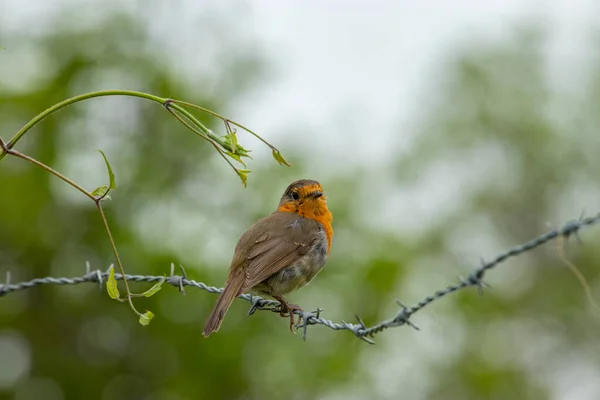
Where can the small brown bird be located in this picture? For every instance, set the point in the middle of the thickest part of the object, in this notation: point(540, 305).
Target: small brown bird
point(279, 253)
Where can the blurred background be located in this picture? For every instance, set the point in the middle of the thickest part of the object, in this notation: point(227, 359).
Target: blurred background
point(442, 132)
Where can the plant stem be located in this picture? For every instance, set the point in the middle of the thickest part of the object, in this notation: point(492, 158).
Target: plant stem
point(96, 200)
point(47, 168)
point(194, 120)
point(188, 123)
point(226, 120)
point(70, 101)
point(116, 253)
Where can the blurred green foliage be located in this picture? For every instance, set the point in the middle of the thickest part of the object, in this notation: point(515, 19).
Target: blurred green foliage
point(509, 165)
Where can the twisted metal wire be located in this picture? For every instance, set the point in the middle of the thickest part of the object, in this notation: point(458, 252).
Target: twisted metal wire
point(360, 330)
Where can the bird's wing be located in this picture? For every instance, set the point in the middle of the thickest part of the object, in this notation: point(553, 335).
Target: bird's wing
point(272, 244)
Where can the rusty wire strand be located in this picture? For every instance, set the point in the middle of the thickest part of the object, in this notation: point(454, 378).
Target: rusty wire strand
point(360, 330)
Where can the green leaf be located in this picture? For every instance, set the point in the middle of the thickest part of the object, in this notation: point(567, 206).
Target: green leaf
point(243, 174)
point(111, 176)
point(100, 191)
point(231, 144)
point(236, 157)
point(111, 285)
point(279, 158)
point(234, 142)
point(243, 152)
point(146, 317)
point(157, 286)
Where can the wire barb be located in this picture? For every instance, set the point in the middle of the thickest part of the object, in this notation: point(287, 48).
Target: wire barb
point(255, 300)
point(475, 279)
point(177, 280)
point(403, 317)
point(307, 318)
point(93, 276)
point(359, 330)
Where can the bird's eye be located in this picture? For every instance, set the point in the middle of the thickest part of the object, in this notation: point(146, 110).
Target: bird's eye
point(295, 196)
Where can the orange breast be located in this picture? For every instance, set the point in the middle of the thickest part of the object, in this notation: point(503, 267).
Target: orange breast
point(319, 213)
point(326, 222)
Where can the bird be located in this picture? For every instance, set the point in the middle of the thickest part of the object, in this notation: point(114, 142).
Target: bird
point(279, 253)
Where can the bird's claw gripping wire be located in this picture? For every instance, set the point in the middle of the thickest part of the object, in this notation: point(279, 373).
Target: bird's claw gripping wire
point(288, 310)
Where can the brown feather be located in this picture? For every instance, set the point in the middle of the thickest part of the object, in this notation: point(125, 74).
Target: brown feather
point(230, 292)
point(270, 245)
point(290, 237)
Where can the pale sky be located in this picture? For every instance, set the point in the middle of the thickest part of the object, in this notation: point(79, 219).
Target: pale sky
point(345, 69)
point(339, 56)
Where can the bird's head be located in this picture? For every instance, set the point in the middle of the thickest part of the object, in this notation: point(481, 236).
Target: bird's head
point(305, 197)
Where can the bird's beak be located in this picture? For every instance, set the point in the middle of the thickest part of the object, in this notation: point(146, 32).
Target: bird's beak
point(316, 194)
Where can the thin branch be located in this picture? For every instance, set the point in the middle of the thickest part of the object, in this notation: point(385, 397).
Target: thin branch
point(402, 317)
point(25, 157)
point(69, 102)
point(225, 120)
point(117, 258)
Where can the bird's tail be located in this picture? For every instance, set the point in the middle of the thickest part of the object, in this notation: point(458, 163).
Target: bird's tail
point(233, 289)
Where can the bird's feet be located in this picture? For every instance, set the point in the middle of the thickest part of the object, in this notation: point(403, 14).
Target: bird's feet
point(287, 309)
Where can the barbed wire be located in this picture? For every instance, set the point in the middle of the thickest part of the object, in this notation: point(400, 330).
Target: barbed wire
point(360, 330)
